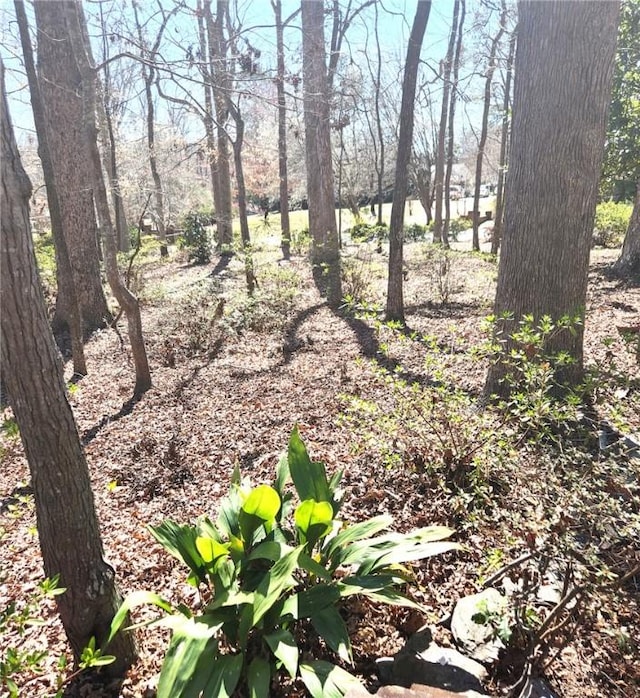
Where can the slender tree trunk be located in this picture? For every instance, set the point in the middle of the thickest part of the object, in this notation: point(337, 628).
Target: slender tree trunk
point(485, 126)
point(79, 42)
point(451, 115)
point(550, 201)
point(628, 264)
point(325, 251)
point(58, 79)
point(395, 301)
point(240, 185)
point(65, 274)
point(67, 523)
point(439, 192)
point(218, 72)
point(282, 133)
point(504, 148)
point(381, 138)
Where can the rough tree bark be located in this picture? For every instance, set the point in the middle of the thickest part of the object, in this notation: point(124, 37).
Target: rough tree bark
point(558, 132)
point(59, 79)
point(395, 301)
point(325, 250)
point(491, 68)
point(628, 264)
point(67, 523)
point(65, 274)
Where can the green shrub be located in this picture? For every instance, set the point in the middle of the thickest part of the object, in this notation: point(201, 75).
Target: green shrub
point(611, 223)
point(367, 232)
point(300, 242)
point(195, 238)
point(415, 232)
point(275, 569)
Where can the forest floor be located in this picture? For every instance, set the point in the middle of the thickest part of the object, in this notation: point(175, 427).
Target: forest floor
point(230, 382)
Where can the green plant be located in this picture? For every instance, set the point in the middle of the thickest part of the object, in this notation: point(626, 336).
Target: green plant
point(272, 569)
point(440, 272)
point(368, 232)
point(195, 238)
point(300, 242)
point(611, 223)
point(10, 428)
point(415, 232)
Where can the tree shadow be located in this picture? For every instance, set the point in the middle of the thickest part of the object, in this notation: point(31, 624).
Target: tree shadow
point(221, 264)
point(127, 408)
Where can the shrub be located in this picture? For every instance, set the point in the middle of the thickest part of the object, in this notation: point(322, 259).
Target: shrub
point(274, 569)
point(440, 272)
point(366, 232)
point(611, 223)
point(196, 238)
point(415, 232)
point(300, 242)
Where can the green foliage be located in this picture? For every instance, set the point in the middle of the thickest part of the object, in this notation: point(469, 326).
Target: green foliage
point(300, 242)
point(611, 223)
point(358, 275)
point(275, 565)
point(10, 428)
point(368, 232)
point(195, 238)
point(415, 232)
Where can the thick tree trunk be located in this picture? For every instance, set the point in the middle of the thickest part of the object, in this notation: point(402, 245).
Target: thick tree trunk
point(485, 126)
point(442, 132)
point(79, 44)
point(67, 524)
point(504, 148)
point(395, 300)
point(559, 123)
point(285, 225)
point(59, 79)
point(325, 251)
point(628, 264)
point(65, 275)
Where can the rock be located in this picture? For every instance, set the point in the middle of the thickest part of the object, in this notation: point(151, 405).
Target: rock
point(537, 688)
point(439, 666)
point(478, 639)
point(416, 691)
point(384, 667)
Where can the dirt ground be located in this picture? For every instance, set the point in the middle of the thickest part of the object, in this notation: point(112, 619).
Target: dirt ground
point(230, 382)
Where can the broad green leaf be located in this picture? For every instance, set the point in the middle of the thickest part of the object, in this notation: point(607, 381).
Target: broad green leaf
point(284, 648)
point(310, 565)
point(332, 628)
point(356, 532)
point(282, 475)
point(388, 595)
point(136, 598)
point(311, 601)
point(325, 680)
point(259, 678)
point(228, 518)
point(309, 478)
point(224, 676)
point(263, 502)
point(278, 579)
point(401, 554)
point(313, 520)
point(180, 541)
point(188, 664)
point(210, 550)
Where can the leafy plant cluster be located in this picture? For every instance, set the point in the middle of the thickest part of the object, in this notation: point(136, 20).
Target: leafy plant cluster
point(440, 273)
point(195, 238)
point(271, 571)
point(369, 232)
point(611, 223)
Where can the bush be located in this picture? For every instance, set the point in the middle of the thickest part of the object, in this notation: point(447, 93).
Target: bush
point(275, 571)
point(611, 223)
point(415, 232)
point(196, 238)
point(366, 232)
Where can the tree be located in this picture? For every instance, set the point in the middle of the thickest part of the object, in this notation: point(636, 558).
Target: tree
point(395, 301)
point(68, 527)
point(325, 250)
point(65, 274)
point(628, 263)
point(58, 78)
point(491, 67)
point(557, 141)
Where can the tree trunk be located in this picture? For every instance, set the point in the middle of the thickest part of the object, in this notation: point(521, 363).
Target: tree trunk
point(67, 523)
point(79, 44)
point(395, 301)
point(504, 148)
point(65, 275)
point(218, 73)
point(628, 264)
point(282, 134)
point(485, 126)
point(325, 252)
point(442, 131)
point(240, 185)
point(452, 112)
point(559, 123)
point(59, 79)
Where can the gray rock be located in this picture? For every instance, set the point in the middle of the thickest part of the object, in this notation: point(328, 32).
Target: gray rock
point(537, 688)
point(415, 691)
point(477, 639)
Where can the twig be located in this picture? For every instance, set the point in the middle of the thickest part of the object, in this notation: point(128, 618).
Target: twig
point(507, 568)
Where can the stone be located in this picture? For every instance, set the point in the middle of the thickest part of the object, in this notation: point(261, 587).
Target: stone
point(477, 639)
point(415, 691)
point(537, 688)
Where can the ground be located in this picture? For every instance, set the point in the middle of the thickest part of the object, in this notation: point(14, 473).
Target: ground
point(232, 378)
